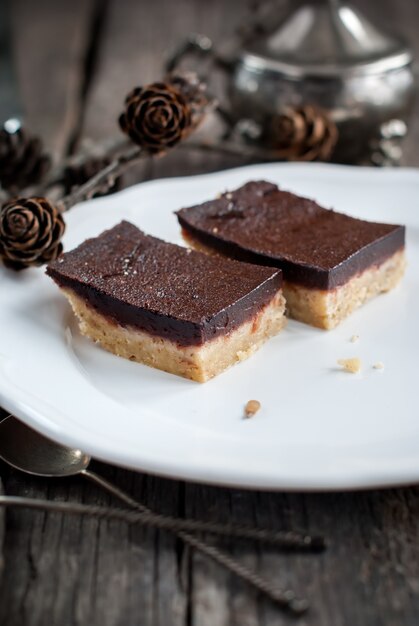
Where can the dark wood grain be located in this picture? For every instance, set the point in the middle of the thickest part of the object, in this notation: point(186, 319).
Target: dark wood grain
point(50, 45)
point(134, 55)
point(108, 574)
point(70, 571)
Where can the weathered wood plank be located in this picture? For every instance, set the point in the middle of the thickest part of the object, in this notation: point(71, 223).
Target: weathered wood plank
point(74, 571)
point(50, 44)
point(136, 42)
point(368, 576)
point(106, 574)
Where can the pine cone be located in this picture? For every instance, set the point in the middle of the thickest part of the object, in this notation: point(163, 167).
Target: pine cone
point(22, 160)
point(77, 174)
point(160, 115)
point(30, 232)
point(303, 134)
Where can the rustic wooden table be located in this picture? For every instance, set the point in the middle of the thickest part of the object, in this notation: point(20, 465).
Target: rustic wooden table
point(76, 59)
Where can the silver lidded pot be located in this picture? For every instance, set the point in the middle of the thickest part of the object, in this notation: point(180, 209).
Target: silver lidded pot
point(325, 53)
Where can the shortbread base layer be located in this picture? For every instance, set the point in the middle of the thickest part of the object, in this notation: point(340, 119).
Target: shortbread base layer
point(196, 362)
point(327, 308)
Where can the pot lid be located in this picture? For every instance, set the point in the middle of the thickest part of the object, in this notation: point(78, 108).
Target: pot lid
point(325, 38)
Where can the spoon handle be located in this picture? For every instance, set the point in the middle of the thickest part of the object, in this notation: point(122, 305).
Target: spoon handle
point(284, 598)
point(287, 540)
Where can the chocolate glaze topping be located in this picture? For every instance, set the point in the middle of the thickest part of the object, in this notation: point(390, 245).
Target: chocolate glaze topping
point(138, 280)
point(314, 247)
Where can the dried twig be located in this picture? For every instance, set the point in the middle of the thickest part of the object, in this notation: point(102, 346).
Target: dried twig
point(109, 148)
point(103, 179)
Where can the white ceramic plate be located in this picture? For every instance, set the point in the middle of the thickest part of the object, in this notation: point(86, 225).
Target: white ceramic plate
point(319, 428)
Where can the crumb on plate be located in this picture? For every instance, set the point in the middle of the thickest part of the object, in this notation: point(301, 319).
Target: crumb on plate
point(350, 365)
point(251, 408)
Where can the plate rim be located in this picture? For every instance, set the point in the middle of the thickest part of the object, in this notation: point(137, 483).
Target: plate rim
point(391, 478)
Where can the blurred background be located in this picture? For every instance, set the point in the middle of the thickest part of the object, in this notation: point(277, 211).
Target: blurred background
point(76, 60)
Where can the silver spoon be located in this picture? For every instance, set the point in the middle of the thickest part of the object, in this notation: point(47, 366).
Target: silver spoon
point(32, 453)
